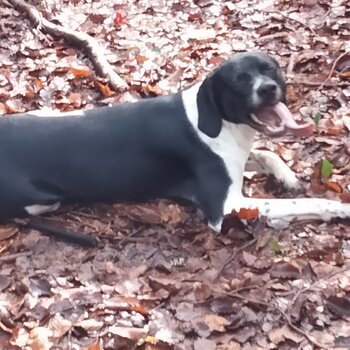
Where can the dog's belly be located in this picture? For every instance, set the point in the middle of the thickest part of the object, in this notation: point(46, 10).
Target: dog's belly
point(117, 177)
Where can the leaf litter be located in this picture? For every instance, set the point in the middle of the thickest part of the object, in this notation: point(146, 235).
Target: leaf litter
point(160, 279)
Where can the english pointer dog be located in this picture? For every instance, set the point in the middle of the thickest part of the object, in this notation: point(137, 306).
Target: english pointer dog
point(193, 144)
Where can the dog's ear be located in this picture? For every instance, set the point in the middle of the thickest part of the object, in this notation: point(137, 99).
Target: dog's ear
point(209, 117)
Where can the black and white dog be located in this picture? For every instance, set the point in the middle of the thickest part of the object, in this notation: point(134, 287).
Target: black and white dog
point(193, 144)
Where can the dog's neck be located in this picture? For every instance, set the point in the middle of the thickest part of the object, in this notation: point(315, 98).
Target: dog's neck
point(232, 137)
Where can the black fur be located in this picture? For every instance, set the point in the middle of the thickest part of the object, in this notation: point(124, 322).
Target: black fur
point(129, 152)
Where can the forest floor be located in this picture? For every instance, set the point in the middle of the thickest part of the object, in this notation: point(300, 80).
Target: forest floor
point(159, 278)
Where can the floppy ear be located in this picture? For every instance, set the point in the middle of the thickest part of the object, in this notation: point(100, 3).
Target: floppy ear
point(209, 118)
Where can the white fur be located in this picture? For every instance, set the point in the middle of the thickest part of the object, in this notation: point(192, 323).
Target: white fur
point(257, 83)
point(267, 162)
point(233, 145)
point(37, 209)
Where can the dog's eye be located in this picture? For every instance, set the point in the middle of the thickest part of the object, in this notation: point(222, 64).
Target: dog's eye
point(243, 77)
point(266, 68)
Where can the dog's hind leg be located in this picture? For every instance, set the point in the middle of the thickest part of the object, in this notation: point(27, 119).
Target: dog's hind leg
point(27, 197)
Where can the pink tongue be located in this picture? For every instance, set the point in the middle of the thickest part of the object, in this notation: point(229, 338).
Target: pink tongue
point(286, 116)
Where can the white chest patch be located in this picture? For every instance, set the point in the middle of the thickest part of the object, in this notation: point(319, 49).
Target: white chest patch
point(232, 145)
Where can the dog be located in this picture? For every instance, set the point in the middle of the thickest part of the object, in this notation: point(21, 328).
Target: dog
point(193, 144)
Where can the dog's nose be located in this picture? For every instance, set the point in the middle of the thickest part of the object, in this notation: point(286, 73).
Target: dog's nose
point(267, 90)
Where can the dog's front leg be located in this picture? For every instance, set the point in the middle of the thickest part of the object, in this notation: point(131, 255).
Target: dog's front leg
point(268, 162)
point(280, 212)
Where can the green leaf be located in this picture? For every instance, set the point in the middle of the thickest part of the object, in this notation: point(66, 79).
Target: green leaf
point(275, 246)
point(317, 118)
point(326, 168)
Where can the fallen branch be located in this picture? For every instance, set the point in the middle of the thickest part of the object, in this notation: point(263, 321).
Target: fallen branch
point(81, 40)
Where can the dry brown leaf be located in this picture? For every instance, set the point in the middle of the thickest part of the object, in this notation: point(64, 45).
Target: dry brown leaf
point(248, 258)
point(339, 306)
point(131, 333)
point(90, 324)
point(38, 85)
point(94, 346)
point(201, 291)
point(80, 71)
point(246, 213)
point(5, 282)
point(39, 338)
point(104, 88)
point(345, 197)
point(140, 59)
point(279, 335)
point(75, 99)
point(288, 270)
point(59, 325)
point(14, 106)
point(2, 108)
point(215, 322)
point(7, 231)
point(19, 337)
point(202, 343)
point(333, 186)
point(151, 340)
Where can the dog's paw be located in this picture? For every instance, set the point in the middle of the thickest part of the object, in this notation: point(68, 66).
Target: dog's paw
point(216, 227)
point(292, 183)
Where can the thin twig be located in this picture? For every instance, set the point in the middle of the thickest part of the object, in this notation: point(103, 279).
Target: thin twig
point(11, 257)
point(314, 284)
point(239, 249)
point(293, 19)
point(299, 330)
point(332, 69)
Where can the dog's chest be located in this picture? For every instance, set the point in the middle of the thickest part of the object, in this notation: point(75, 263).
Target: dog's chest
point(233, 146)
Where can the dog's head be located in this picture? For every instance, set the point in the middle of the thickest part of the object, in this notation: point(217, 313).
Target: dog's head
point(247, 89)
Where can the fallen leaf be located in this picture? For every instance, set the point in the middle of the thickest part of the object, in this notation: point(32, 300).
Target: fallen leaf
point(246, 213)
point(202, 343)
point(201, 291)
point(339, 306)
point(333, 186)
point(326, 168)
point(216, 323)
point(140, 59)
point(39, 338)
point(287, 270)
point(7, 231)
point(94, 346)
point(248, 258)
point(279, 335)
point(131, 333)
point(19, 337)
point(80, 71)
point(59, 325)
point(104, 88)
point(90, 324)
point(119, 19)
point(5, 282)
point(275, 246)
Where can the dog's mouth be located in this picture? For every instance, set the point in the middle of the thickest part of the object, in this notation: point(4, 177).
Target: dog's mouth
point(278, 120)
